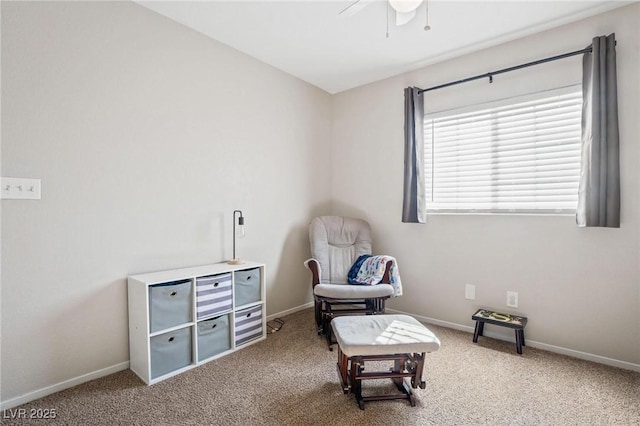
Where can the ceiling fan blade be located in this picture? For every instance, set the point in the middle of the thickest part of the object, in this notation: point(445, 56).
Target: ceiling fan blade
point(354, 7)
point(404, 17)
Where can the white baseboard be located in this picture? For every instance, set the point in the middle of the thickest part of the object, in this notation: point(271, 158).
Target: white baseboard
point(290, 311)
point(534, 344)
point(40, 393)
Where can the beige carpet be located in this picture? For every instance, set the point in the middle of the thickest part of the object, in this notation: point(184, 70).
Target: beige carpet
point(291, 379)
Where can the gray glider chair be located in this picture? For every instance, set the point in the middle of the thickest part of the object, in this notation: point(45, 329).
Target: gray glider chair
point(336, 243)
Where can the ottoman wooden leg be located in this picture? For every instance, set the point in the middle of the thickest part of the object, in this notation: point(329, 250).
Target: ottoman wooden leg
point(400, 383)
point(343, 366)
point(416, 379)
point(356, 382)
point(398, 367)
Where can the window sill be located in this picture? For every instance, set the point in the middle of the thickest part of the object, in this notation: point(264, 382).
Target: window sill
point(472, 213)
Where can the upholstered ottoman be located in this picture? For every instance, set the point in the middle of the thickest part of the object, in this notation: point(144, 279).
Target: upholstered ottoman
point(398, 338)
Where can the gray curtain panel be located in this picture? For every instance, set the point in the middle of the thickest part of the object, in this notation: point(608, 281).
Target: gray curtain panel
point(413, 210)
point(599, 190)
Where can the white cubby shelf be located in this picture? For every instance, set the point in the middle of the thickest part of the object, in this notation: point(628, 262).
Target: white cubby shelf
point(182, 318)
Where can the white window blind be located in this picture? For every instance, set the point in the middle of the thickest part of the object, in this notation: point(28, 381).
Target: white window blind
point(521, 155)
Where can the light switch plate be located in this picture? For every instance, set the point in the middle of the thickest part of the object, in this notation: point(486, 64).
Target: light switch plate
point(20, 188)
point(470, 291)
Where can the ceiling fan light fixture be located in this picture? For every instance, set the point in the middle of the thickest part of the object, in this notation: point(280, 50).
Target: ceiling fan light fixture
point(427, 27)
point(405, 6)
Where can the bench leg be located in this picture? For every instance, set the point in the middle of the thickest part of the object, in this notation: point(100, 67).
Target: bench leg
point(478, 331)
point(519, 339)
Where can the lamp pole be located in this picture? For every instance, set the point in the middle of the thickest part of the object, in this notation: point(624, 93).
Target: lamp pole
point(240, 223)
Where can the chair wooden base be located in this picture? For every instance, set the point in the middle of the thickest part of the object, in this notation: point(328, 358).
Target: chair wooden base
point(327, 309)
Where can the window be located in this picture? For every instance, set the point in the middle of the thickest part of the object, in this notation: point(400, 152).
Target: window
point(520, 155)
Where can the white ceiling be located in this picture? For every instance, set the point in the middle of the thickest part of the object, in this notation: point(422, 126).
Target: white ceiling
point(310, 40)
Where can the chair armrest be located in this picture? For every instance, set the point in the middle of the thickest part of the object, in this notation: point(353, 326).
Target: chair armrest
point(386, 278)
point(314, 267)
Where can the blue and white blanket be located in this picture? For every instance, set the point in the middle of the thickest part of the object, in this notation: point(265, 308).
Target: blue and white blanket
point(369, 270)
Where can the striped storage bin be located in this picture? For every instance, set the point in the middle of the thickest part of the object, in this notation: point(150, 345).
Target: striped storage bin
point(170, 351)
point(213, 295)
point(248, 324)
point(169, 305)
point(247, 286)
point(213, 337)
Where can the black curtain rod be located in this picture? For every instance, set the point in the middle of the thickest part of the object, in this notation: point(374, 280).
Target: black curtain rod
point(490, 75)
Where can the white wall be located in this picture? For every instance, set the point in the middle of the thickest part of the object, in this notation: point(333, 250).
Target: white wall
point(146, 136)
point(579, 287)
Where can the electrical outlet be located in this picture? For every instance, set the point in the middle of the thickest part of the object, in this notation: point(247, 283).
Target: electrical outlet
point(470, 291)
point(512, 299)
point(20, 188)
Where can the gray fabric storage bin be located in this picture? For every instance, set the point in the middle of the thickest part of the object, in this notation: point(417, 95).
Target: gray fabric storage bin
point(213, 295)
point(248, 324)
point(247, 286)
point(213, 337)
point(170, 351)
point(169, 305)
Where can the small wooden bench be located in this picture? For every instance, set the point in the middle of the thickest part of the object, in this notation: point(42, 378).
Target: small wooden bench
point(517, 323)
point(398, 338)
